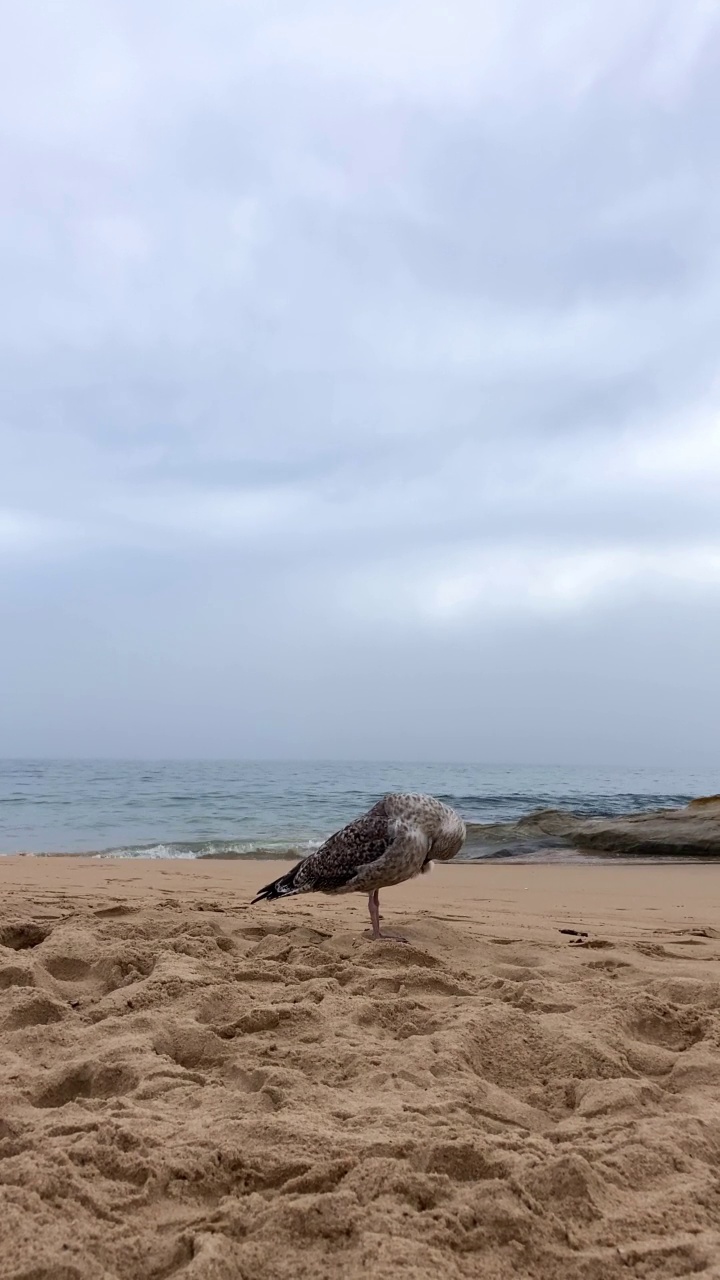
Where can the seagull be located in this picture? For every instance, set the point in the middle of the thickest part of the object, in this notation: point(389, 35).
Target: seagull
point(394, 841)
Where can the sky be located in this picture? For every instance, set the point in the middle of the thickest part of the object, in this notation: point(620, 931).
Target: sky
point(360, 380)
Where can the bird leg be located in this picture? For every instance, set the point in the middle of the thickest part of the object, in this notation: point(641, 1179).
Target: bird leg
point(374, 909)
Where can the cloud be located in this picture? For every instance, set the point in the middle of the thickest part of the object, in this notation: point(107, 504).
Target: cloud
point(485, 584)
point(21, 533)
point(370, 325)
point(469, 52)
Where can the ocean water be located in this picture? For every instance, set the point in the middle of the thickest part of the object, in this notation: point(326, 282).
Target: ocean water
point(185, 809)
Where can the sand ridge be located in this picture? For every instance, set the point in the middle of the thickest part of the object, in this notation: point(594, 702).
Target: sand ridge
point(192, 1087)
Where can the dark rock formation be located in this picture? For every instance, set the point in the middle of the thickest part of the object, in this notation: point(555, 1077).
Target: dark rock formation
point(692, 832)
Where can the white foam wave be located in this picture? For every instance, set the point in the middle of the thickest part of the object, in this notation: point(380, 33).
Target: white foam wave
point(154, 851)
point(209, 848)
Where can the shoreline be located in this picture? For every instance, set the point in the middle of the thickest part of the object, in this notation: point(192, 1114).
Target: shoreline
point(688, 833)
point(562, 857)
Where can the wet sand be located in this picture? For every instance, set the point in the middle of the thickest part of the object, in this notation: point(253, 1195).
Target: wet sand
point(193, 1087)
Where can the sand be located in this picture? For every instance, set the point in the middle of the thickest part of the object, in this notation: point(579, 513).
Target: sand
point(192, 1087)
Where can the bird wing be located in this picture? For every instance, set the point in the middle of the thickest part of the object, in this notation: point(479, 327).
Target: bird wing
point(402, 858)
point(334, 864)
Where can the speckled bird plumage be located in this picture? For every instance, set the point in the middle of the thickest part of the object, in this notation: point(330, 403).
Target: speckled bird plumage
point(392, 842)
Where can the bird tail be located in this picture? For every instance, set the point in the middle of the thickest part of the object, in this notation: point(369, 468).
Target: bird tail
point(284, 887)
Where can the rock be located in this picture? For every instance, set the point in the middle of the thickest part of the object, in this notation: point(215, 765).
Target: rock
point(691, 832)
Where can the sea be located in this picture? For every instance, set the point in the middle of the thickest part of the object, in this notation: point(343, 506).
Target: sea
point(237, 808)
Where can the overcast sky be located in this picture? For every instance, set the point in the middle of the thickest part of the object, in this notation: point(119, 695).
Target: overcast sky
point(360, 379)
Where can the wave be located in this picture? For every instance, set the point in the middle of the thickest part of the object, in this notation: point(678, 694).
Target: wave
point(189, 849)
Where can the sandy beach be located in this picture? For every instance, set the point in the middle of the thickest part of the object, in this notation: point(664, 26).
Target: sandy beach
point(194, 1087)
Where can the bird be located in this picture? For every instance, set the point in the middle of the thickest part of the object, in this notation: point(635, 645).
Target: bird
point(394, 841)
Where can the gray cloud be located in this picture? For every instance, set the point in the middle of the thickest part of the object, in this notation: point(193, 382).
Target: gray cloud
point(353, 346)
